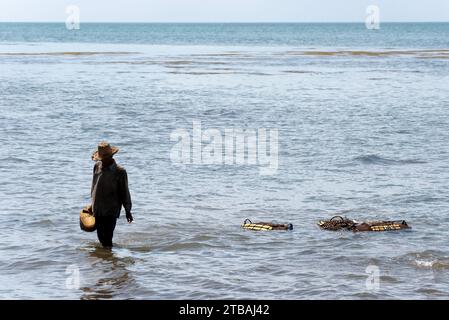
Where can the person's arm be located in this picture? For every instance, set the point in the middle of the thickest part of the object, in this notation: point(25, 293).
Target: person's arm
point(90, 207)
point(126, 196)
point(93, 179)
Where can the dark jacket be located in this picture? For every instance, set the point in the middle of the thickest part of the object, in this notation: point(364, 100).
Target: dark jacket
point(110, 190)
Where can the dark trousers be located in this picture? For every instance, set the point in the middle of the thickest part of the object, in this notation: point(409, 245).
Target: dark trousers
point(105, 229)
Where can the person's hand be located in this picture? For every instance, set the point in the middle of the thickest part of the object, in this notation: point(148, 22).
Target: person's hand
point(129, 217)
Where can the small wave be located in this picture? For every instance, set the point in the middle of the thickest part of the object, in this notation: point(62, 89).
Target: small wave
point(256, 73)
point(179, 62)
point(190, 62)
point(14, 160)
point(214, 62)
point(224, 54)
point(198, 73)
point(202, 73)
point(300, 71)
point(180, 246)
point(389, 279)
point(375, 159)
point(425, 263)
point(438, 263)
point(41, 223)
point(431, 292)
point(428, 259)
point(207, 208)
point(139, 62)
point(67, 53)
point(432, 53)
point(434, 57)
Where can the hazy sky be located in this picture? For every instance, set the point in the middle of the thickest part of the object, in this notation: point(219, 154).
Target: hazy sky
point(224, 10)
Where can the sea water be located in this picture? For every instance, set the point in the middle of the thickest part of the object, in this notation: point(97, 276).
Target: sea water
point(362, 120)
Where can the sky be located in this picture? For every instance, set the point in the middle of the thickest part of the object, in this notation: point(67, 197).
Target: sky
point(223, 10)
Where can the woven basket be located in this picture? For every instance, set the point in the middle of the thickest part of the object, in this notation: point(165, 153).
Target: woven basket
point(258, 226)
point(87, 220)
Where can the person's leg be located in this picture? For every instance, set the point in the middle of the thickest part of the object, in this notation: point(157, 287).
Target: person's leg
point(100, 224)
point(108, 231)
point(105, 230)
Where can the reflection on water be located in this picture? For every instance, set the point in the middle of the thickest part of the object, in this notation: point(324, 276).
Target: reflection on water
point(109, 276)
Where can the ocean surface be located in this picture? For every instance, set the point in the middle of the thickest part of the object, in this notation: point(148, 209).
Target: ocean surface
point(362, 117)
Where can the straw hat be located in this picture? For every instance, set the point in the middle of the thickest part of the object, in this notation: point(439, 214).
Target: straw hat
point(104, 150)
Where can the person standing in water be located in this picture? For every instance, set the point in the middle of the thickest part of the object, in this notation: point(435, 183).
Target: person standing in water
point(109, 192)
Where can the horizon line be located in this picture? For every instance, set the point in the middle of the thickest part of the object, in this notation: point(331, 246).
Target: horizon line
point(226, 22)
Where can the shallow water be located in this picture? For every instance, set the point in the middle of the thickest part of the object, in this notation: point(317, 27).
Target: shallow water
point(361, 134)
